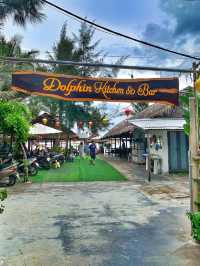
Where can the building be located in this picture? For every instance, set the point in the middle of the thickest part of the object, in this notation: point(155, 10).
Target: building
point(156, 133)
point(167, 143)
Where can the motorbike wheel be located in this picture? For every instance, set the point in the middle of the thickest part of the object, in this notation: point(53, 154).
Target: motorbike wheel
point(12, 180)
point(32, 171)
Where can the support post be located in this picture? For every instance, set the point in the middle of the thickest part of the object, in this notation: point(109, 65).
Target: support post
point(194, 144)
point(193, 152)
point(115, 143)
point(149, 158)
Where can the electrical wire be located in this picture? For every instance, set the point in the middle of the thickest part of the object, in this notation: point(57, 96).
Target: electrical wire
point(119, 34)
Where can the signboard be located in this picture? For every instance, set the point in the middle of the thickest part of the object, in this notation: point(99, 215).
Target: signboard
point(72, 88)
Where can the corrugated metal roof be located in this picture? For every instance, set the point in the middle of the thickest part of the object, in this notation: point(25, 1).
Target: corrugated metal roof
point(159, 123)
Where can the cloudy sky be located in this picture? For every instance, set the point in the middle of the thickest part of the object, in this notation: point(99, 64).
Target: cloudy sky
point(174, 24)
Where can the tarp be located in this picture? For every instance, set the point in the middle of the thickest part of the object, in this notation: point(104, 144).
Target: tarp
point(72, 88)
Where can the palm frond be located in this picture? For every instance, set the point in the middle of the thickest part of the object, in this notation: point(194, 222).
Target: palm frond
point(22, 11)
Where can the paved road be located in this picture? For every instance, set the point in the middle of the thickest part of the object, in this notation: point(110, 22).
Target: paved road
point(91, 224)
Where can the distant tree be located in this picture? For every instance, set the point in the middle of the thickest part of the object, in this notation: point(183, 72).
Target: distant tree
point(22, 11)
point(139, 107)
point(87, 50)
point(73, 49)
point(64, 49)
point(12, 48)
point(185, 105)
point(113, 72)
point(36, 106)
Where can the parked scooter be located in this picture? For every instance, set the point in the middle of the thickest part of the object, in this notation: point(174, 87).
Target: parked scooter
point(32, 167)
point(9, 174)
point(44, 161)
point(59, 157)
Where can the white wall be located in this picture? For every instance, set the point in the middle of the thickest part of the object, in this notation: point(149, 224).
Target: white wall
point(163, 153)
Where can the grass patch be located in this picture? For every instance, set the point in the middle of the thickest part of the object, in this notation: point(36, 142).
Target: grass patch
point(80, 170)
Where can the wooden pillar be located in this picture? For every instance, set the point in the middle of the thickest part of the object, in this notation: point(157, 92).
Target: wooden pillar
point(194, 142)
point(120, 147)
point(149, 159)
point(193, 139)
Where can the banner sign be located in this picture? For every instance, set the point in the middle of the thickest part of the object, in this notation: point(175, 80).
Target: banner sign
point(72, 88)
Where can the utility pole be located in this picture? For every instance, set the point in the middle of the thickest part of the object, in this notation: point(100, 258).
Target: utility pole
point(194, 145)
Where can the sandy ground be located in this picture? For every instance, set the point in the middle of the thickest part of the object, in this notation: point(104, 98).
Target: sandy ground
point(100, 223)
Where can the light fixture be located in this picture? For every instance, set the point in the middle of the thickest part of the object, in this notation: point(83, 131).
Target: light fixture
point(44, 120)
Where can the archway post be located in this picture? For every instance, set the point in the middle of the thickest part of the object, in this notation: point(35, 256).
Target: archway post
point(194, 155)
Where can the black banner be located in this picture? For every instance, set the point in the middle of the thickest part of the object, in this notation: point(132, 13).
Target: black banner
point(72, 88)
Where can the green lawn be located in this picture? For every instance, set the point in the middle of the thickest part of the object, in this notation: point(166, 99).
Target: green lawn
point(80, 170)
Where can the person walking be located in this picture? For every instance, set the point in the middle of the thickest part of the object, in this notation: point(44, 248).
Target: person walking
point(93, 149)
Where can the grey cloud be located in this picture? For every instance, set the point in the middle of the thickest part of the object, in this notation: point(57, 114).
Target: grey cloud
point(185, 13)
point(160, 35)
point(180, 28)
point(157, 33)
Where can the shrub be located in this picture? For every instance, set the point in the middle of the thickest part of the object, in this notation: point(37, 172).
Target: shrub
point(195, 220)
point(3, 196)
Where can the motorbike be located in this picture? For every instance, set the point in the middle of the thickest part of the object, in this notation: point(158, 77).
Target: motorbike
point(8, 172)
point(32, 167)
point(44, 161)
point(59, 157)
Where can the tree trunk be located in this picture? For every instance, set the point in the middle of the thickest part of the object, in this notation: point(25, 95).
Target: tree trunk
point(25, 161)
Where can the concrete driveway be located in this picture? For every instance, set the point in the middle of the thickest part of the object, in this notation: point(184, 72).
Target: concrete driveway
point(112, 223)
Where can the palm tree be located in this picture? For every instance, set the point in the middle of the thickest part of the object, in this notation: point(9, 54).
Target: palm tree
point(12, 48)
point(22, 11)
point(78, 48)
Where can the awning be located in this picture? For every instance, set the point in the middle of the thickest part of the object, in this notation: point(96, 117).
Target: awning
point(159, 123)
point(39, 129)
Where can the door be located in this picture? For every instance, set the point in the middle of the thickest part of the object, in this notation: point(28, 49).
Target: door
point(178, 146)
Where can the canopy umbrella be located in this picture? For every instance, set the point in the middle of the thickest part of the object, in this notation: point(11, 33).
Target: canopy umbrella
point(39, 129)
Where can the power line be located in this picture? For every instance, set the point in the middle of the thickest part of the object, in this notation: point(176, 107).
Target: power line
point(118, 33)
point(97, 65)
